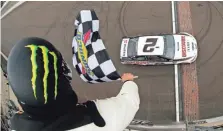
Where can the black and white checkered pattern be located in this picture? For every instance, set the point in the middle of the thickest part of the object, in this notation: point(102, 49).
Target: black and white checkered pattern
point(98, 59)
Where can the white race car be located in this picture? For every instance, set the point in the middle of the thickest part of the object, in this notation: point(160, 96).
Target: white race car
point(159, 50)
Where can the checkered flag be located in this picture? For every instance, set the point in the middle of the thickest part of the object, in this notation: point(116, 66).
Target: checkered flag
point(90, 57)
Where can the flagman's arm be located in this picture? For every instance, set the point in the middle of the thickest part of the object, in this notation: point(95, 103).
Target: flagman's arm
point(119, 111)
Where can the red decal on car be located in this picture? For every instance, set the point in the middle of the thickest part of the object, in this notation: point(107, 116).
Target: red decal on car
point(184, 51)
point(137, 62)
point(125, 41)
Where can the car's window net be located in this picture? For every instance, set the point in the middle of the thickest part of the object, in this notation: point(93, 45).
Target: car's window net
point(140, 58)
point(169, 47)
point(132, 47)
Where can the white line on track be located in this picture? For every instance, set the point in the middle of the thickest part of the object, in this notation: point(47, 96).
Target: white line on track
point(6, 13)
point(12, 8)
point(175, 66)
point(4, 5)
point(4, 55)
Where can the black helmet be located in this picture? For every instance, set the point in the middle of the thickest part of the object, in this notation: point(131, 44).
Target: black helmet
point(39, 76)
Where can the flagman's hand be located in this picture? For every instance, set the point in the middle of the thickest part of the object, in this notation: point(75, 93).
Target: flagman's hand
point(127, 77)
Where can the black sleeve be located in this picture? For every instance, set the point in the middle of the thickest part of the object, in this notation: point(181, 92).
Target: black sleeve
point(92, 111)
point(84, 114)
point(70, 120)
point(24, 123)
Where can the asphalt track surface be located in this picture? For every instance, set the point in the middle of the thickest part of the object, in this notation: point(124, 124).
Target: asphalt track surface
point(54, 22)
point(207, 21)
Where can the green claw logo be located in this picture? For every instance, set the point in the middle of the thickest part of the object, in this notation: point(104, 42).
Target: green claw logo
point(45, 53)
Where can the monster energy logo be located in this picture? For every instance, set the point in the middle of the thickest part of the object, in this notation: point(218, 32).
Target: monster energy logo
point(45, 53)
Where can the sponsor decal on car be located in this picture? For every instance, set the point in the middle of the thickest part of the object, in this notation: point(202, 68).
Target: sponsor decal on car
point(126, 41)
point(125, 47)
point(184, 52)
point(124, 50)
point(188, 47)
point(137, 62)
point(193, 46)
point(178, 46)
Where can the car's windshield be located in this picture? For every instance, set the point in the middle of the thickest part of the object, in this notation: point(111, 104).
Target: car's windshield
point(169, 47)
point(132, 47)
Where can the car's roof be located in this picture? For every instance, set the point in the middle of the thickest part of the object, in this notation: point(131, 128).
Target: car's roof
point(150, 45)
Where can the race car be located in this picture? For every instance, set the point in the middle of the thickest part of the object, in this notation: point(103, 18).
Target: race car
point(159, 50)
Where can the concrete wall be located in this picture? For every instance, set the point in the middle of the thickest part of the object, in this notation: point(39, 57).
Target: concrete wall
point(6, 93)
